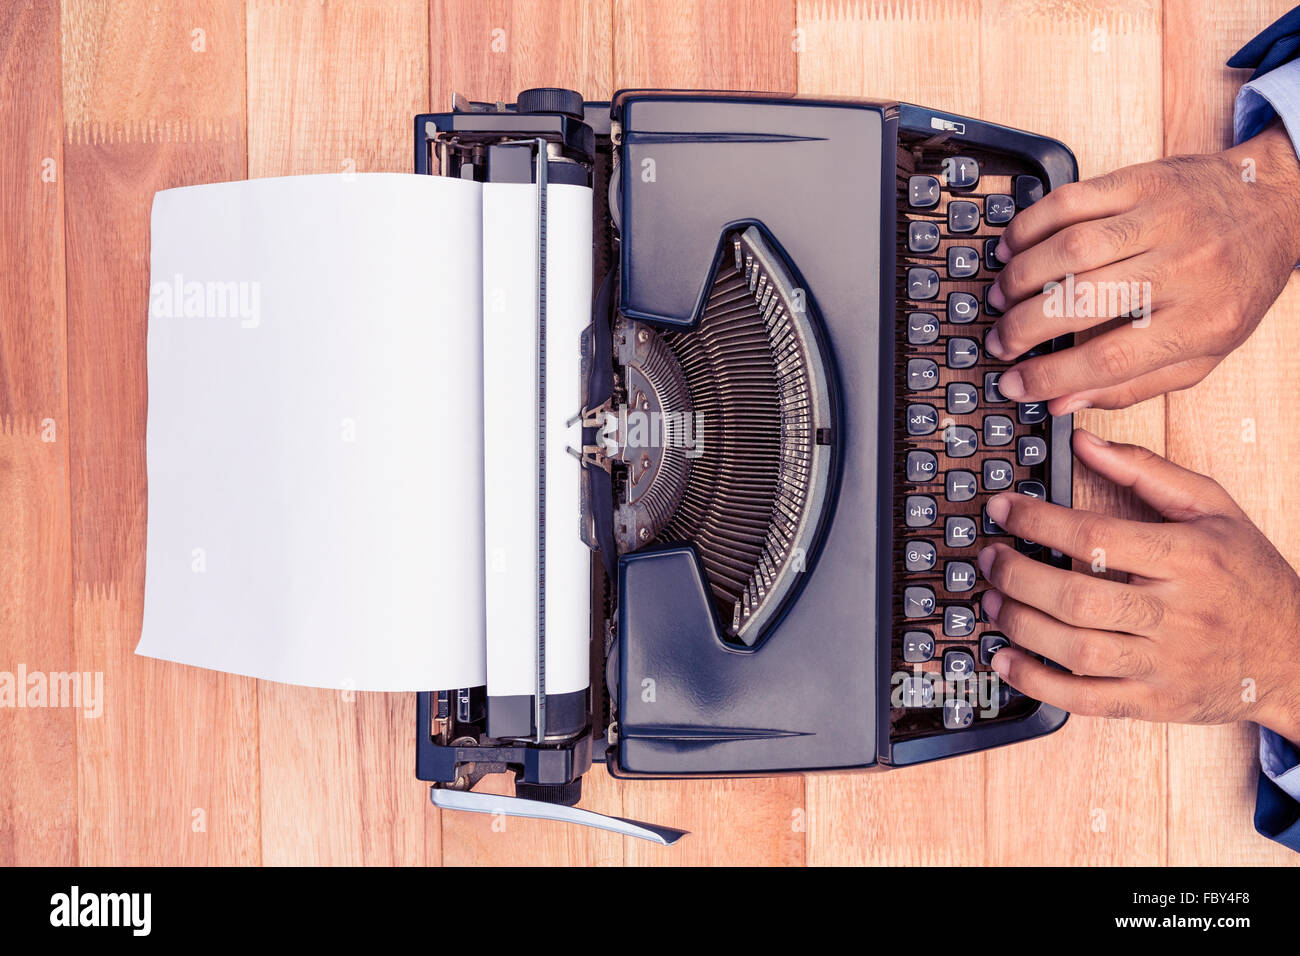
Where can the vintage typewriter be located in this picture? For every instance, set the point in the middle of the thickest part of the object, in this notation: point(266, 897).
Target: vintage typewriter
point(782, 578)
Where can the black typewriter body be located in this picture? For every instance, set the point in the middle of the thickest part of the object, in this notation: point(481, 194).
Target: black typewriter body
point(806, 277)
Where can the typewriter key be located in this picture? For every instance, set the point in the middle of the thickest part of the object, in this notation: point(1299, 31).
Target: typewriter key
point(918, 647)
point(958, 576)
point(959, 485)
point(918, 601)
point(918, 555)
point(957, 713)
point(962, 352)
point(962, 172)
point(962, 398)
point(1031, 450)
point(998, 430)
point(922, 466)
point(963, 216)
point(962, 307)
point(963, 262)
point(990, 644)
point(997, 474)
point(958, 621)
point(998, 209)
point(923, 191)
point(922, 236)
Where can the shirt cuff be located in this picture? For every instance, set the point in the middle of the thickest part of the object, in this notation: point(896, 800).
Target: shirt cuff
point(1280, 761)
point(1276, 93)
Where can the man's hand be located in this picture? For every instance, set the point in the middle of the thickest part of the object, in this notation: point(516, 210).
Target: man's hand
point(1207, 629)
point(1206, 250)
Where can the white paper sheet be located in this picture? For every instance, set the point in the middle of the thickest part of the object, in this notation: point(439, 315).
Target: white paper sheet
point(510, 429)
point(317, 428)
point(314, 439)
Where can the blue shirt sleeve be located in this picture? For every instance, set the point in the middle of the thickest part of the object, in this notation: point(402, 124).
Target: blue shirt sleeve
point(1273, 94)
point(1277, 804)
point(1277, 801)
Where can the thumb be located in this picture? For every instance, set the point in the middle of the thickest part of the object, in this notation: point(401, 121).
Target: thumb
point(1173, 491)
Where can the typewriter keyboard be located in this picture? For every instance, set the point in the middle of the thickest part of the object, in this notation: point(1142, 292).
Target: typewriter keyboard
point(959, 441)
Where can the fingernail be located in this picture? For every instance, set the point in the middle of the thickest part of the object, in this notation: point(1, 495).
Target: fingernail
point(992, 604)
point(999, 507)
point(1095, 439)
point(1011, 385)
point(996, 297)
point(1003, 251)
point(984, 561)
point(1002, 663)
point(993, 342)
point(1077, 405)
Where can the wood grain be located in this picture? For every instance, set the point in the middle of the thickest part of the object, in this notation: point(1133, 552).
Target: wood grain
point(1235, 426)
point(187, 766)
point(492, 49)
point(168, 774)
point(705, 44)
point(38, 748)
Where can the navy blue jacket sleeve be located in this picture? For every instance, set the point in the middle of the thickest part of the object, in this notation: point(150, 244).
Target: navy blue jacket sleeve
point(1277, 800)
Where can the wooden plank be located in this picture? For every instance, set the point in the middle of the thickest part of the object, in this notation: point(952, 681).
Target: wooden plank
point(334, 88)
point(153, 97)
point(491, 51)
point(1087, 73)
point(932, 815)
point(38, 748)
point(705, 44)
point(737, 45)
point(1213, 770)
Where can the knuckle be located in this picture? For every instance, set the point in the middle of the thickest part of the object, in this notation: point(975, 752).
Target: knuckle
point(1135, 610)
point(1077, 244)
point(1090, 656)
point(1115, 709)
point(1080, 601)
point(1154, 544)
point(1114, 359)
point(1086, 533)
point(1128, 661)
point(1071, 199)
point(1121, 233)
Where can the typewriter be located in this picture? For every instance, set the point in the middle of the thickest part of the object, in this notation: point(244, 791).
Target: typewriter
point(782, 570)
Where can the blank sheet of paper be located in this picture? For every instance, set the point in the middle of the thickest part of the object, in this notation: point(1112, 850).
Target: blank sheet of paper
point(314, 436)
point(510, 419)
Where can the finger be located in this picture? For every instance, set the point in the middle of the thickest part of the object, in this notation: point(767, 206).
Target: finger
point(1146, 386)
point(1084, 651)
point(1107, 195)
point(1141, 547)
point(1085, 696)
point(1111, 358)
point(1082, 600)
point(1175, 492)
point(1074, 250)
point(1087, 300)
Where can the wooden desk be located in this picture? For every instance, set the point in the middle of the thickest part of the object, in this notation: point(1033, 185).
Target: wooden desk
point(104, 103)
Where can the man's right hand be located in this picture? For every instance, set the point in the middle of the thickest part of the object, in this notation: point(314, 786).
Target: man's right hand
point(1213, 239)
